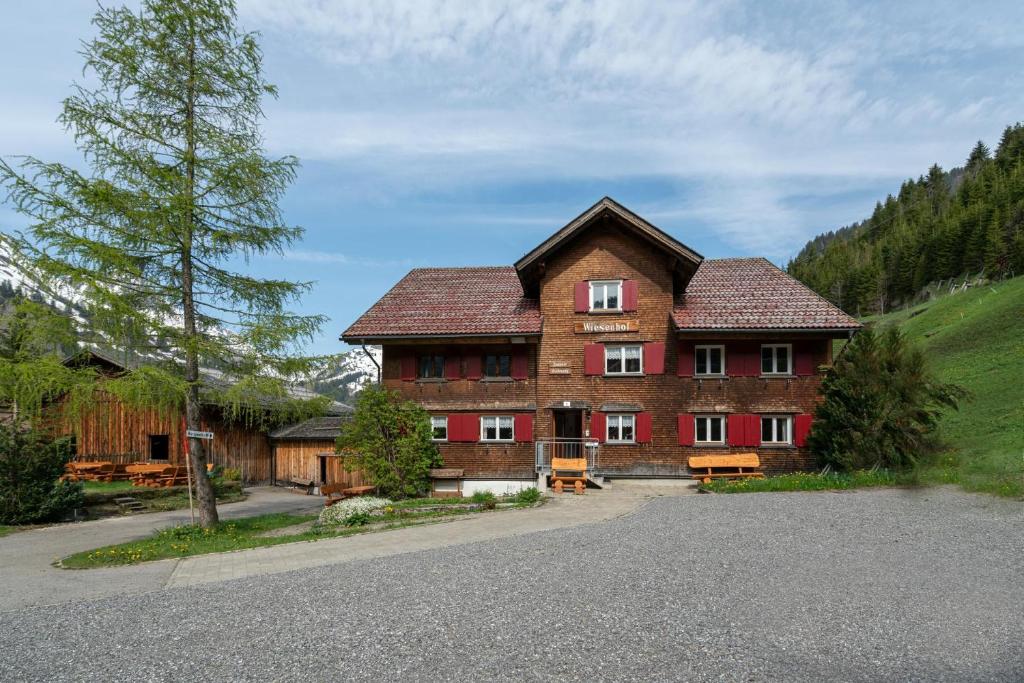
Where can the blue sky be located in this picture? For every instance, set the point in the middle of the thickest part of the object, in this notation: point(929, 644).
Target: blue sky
point(463, 133)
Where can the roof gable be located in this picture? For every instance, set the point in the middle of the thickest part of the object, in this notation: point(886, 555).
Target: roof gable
point(530, 267)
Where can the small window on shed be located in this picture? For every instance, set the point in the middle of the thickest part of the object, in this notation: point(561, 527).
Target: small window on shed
point(159, 447)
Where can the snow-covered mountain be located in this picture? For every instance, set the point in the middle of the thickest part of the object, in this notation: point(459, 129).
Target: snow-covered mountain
point(349, 374)
point(341, 380)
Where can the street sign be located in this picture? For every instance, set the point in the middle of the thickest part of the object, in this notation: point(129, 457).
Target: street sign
point(193, 434)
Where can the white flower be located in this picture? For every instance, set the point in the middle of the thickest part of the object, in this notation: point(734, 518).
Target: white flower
point(339, 512)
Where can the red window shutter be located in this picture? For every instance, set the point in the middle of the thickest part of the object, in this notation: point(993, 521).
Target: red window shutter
point(753, 430)
point(684, 363)
point(523, 427)
point(597, 426)
point(801, 428)
point(735, 429)
point(746, 358)
point(519, 364)
point(454, 427)
point(643, 427)
point(474, 367)
point(470, 428)
point(630, 296)
point(654, 358)
point(686, 436)
point(803, 359)
point(593, 359)
point(582, 295)
point(408, 369)
point(452, 367)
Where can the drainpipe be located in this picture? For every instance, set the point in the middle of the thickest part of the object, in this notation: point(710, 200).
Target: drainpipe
point(372, 360)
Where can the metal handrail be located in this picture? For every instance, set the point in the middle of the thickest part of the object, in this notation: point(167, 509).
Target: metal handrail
point(558, 447)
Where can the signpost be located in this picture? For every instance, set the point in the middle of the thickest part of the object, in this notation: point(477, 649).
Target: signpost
point(192, 434)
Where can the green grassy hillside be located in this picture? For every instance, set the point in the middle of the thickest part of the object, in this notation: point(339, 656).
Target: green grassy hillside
point(976, 339)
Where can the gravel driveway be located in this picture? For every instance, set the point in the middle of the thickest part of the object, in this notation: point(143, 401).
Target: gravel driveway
point(866, 585)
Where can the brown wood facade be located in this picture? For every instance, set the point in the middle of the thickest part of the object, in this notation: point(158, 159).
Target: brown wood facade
point(313, 460)
point(112, 431)
point(557, 376)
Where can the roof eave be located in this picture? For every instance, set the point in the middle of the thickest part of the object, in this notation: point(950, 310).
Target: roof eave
point(369, 339)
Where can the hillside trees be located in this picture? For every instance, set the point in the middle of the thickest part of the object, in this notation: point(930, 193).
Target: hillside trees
point(177, 195)
point(940, 226)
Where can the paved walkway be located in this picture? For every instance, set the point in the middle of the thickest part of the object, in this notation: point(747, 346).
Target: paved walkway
point(30, 579)
point(26, 558)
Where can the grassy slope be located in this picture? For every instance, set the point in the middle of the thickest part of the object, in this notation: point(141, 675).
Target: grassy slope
point(976, 339)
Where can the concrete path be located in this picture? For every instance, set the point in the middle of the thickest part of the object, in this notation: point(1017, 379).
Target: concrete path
point(30, 579)
point(26, 557)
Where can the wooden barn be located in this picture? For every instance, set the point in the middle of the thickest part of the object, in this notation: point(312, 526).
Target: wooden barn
point(112, 431)
point(304, 454)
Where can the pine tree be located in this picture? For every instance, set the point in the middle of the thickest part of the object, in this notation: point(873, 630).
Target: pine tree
point(179, 191)
point(995, 246)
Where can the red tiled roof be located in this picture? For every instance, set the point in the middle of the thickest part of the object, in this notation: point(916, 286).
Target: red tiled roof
point(435, 302)
point(751, 293)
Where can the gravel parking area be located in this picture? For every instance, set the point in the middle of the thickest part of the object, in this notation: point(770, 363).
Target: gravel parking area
point(865, 585)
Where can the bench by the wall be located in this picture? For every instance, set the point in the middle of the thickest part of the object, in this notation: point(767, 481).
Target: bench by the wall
point(728, 466)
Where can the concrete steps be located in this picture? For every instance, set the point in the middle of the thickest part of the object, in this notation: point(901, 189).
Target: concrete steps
point(129, 504)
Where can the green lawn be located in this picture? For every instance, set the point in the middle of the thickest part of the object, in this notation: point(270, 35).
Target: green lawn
point(976, 339)
point(4, 530)
point(107, 486)
point(240, 534)
point(806, 481)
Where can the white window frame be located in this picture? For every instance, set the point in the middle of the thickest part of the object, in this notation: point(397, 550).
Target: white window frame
point(775, 370)
point(605, 283)
point(433, 426)
point(696, 439)
point(622, 350)
point(618, 419)
point(707, 361)
point(787, 419)
point(497, 428)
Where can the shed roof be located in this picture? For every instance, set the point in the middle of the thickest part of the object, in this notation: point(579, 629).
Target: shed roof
point(314, 429)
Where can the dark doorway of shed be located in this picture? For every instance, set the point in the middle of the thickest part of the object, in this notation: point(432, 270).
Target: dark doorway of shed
point(159, 446)
point(323, 469)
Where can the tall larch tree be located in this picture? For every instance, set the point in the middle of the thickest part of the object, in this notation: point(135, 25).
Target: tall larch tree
point(178, 195)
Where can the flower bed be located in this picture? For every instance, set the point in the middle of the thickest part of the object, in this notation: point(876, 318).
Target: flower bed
point(350, 508)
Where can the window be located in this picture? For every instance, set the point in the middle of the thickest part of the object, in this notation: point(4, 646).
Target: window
point(776, 359)
point(496, 428)
point(710, 429)
point(622, 360)
point(439, 425)
point(606, 295)
point(497, 365)
point(621, 429)
point(710, 360)
point(159, 446)
point(776, 429)
point(431, 367)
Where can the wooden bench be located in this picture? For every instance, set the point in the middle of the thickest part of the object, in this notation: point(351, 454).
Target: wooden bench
point(335, 493)
point(569, 471)
point(728, 466)
point(116, 472)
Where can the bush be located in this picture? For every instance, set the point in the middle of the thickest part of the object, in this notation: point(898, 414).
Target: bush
point(30, 467)
point(390, 440)
point(231, 474)
point(351, 511)
point(881, 406)
point(527, 496)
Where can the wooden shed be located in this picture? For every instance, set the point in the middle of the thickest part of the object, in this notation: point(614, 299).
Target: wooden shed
point(304, 452)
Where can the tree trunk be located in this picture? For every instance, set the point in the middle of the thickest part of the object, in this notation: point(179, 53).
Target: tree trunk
point(205, 496)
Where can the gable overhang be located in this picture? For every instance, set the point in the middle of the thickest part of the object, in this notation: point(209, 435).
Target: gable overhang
point(683, 260)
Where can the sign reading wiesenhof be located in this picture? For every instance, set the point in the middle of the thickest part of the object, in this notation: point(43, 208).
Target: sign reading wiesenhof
point(193, 434)
point(599, 326)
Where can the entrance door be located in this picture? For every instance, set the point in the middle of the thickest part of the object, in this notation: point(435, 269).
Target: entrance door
point(568, 424)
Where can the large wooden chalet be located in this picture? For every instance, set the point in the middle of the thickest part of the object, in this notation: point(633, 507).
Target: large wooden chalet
point(612, 340)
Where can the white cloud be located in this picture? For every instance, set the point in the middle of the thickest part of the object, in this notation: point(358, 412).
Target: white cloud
point(332, 257)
